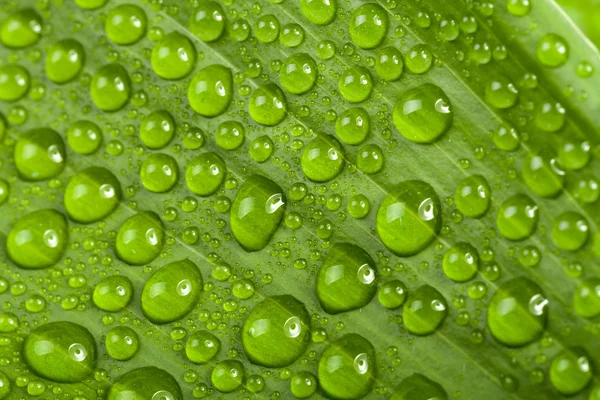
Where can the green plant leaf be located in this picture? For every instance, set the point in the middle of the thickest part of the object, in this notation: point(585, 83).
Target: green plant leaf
point(393, 199)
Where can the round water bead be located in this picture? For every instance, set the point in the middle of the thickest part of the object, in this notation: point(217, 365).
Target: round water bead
point(370, 159)
point(110, 87)
point(303, 384)
point(208, 21)
point(517, 312)
point(84, 137)
point(193, 139)
point(517, 217)
point(292, 35)
point(122, 343)
point(211, 90)
point(64, 60)
point(325, 49)
point(92, 194)
point(552, 50)
point(571, 371)
point(298, 74)
point(140, 239)
point(586, 298)
point(419, 59)
point(268, 105)
point(159, 173)
point(346, 279)
point(40, 154)
point(506, 138)
point(90, 4)
point(388, 64)
point(473, 196)
point(113, 293)
point(228, 375)
point(38, 239)
point(230, 135)
point(276, 332)
point(518, 8)
point(409, 217)
point(501, 93)
point(570, 231)
point(205, 173)
point(359, 206)
point(423, 114)
point(146, 383)
point(320, 12)
point(22, 28)
point(157, 129)
point(353, 125)
point(355, 84)
point(202, 346)
point(174, 56)
point(14, 82)
point(574, 154)
point(322, 159)
point(417, 387)
point(368, 25)
point(240, 30)
point(267, 28)
point(261, 148)
point(541, 173)
point(347, 367)
point(125, 24)
point(171, 292)
point(461, 262)
point(424, 310)
point(61, 352)
point(392, 294)
point(550, 117)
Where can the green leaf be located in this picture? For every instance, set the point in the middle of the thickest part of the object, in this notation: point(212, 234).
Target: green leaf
point(299, 158)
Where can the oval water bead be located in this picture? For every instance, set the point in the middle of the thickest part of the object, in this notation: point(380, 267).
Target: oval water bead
point(320, 12)
point(419, 387)
point(202, 346)
point(292, 35)
point(359, 206)
point(40, 154)
point(409, 218)
point(261, 148)
point(256, 212)
point(22, 28)
point(473, 196)
point(122, 343)
point(517, 217)
point(92, 194)
point(570, 231)
point(171, 292)
point(541, 173)
point(574, 154)
point(322, 159)
point(461, 262)
point(267, 28)
point(347, 367)
point(388, 64)
point(552, 50)
point(276, 332)
point(125, 24)
point(110, 87)
point(303, 385)
point(298, 74)
point(146, 383)
point(157, 129)
point(368, 26)
point(208, 21)
point(159, 173)
point(84, 137)
point(230, 135)
point(65, 60)
point(228, 375)
point(353, 126)
point(586, 298)
point(205, 173)
point(38, 239)
point(140, 238)
point(571, 371)
point(550, 117)
point(419, 59)
point(174, 56)
point(268, 105)
point(211, 90)
point(423, 114)
point(517, 312)
point(424, 311)
point(501, 93)
point(370, 159)
point(113, 294)
point(346, 279)
point(356, 84)
point(14, 82)
point(61, 352)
